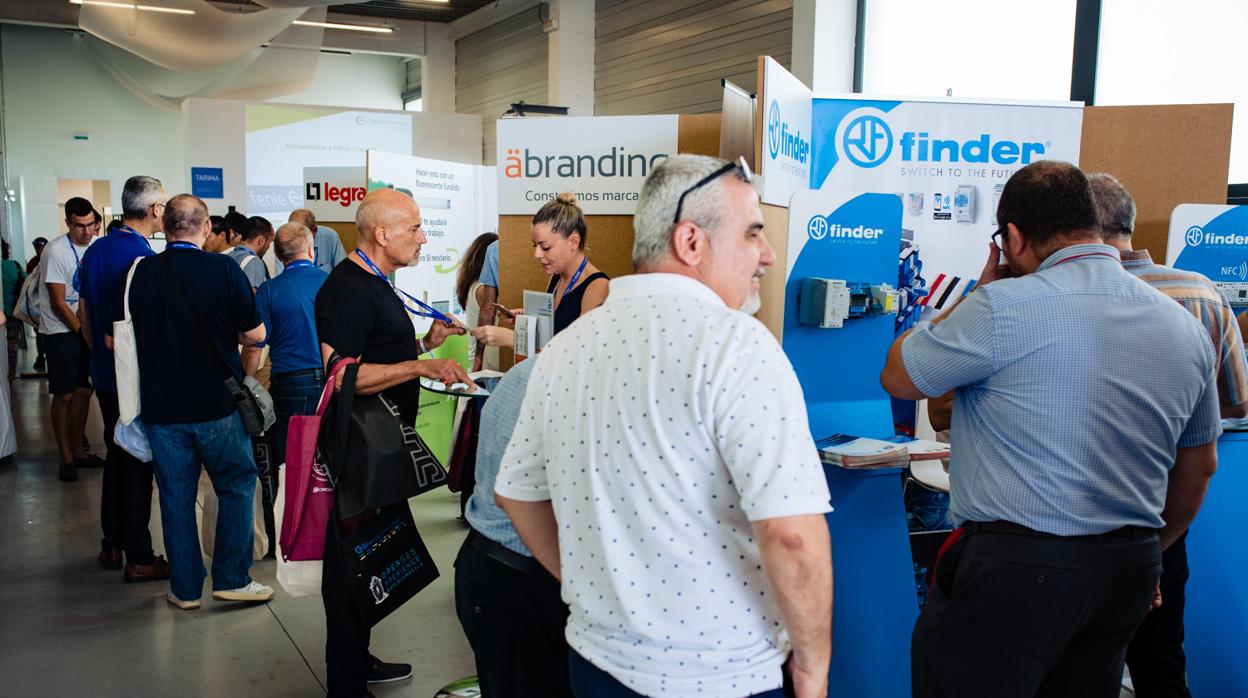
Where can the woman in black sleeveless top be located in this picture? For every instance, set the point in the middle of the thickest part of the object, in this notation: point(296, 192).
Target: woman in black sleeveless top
point(559, 235)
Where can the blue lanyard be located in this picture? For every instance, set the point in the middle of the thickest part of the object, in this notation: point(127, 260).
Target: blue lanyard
point(246, 249)
point(131, 231)
point(429, 311)
point(575, 277)
point(297, 264)
point(181, 245)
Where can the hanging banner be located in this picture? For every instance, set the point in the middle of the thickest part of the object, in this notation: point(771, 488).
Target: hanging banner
point(947, 161)
point(446, 193)
point(1213, 240)
point(604, 160)
point(786, 139)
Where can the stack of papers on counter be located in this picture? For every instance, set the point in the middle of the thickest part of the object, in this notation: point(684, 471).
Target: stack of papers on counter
point(845, 451)
point(924, 449)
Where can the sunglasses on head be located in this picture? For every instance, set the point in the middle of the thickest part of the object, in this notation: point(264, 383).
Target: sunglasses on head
point(740, 165)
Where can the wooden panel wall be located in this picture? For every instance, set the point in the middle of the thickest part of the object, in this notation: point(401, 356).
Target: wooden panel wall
point(1164, 155)
point(498, 66)
point(668, 56)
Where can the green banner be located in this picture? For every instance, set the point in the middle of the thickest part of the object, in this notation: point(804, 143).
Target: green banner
point(436, 418)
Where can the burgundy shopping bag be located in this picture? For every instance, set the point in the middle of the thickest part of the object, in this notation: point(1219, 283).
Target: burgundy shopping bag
point(309, 494)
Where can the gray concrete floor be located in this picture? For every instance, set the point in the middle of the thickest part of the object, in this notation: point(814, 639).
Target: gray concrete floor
point(70, 628)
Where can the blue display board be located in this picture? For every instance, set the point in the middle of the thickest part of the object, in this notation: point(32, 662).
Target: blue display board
point(208, 182)
point(875, 606)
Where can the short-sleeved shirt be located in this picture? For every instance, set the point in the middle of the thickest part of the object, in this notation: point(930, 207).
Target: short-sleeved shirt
point(104, 269)
point(181, 376)
point(660, 426)
point(12, 275)
point(359, 314)
point(253, 266)
point(489, 272)
point(498, 419)
point(1207, 304)
point(1070, 404)
point(60, 263)
point(287, 306)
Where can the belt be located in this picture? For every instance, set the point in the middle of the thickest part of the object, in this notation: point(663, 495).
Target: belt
point(504, 555)
point(1012, 529)
point(301, 374)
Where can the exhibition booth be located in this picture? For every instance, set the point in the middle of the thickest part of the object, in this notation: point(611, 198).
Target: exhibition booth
point(879, 211)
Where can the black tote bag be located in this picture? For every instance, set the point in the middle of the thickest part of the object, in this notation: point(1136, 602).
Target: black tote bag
point(385, 562)
point(375, 457)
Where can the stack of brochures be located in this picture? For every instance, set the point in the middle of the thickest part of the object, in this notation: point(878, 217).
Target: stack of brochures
point(924, 449)
point(845, 451)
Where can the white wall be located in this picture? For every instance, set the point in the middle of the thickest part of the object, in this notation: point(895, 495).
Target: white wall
point(53, 88)
point(361, 81)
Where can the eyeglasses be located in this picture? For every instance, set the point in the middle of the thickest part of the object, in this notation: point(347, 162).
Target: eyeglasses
point(740, 165)
point(998, 238)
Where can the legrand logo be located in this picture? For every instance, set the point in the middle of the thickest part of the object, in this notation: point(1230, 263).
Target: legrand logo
point(324, 191)
point(867, 141)
point(1197, 236)
point(782, 141)
point(523, 163)
point(819, 227)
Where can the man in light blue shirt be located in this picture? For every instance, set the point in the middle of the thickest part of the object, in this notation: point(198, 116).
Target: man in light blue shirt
point(507, 603)
point(327, 249)
point(1069, 413)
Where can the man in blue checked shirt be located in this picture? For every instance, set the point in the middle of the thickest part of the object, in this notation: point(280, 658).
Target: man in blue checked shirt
point(508, 604)
point(1070, 472)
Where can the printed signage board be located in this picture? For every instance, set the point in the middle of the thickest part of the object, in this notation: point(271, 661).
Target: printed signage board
point(333, 193)
point(604, 160)
point(787, 151)
point(208, 182)
point(946, 160)
point(446, 193)
point(1212, 239)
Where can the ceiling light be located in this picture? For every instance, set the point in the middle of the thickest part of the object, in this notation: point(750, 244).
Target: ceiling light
point(133, 6)
point(349, 27)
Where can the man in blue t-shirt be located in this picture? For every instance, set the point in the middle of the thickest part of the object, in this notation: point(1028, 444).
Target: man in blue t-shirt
point(191, 310)
point(287, 307)
point(126, 494)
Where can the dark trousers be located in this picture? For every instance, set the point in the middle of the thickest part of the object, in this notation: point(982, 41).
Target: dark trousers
point(1156, 658)
point(126, 495)
point(588, 681)
point(515, 622)
point(347, 661)
point(1020, 615)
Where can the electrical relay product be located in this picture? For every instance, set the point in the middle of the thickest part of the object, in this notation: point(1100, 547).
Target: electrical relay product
point(996, 199)
point(964, 204)
point(829, 303)
point(1235, 292)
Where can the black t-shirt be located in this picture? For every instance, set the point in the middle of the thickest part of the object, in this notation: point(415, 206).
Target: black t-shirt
point(360, 315)
point(181, 377)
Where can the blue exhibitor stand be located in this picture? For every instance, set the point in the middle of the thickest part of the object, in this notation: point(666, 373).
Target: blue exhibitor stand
point(1213, 240)
point(875, 605)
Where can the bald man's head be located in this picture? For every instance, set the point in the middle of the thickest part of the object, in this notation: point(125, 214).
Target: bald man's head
point(293, 241)
point(304, 217)
point(389, 224)
point(185, 217)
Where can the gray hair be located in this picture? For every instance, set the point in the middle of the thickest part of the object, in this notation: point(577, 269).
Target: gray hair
point(293, 239)
point(656, 206)
point(139, 194)
point(185, 216)
point(304, 216)
point(1115, 209)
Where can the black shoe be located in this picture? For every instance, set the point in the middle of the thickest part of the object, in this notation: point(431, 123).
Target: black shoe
point(39, 365)
point(110, 558)
point(68, 472)
point(91, 461)
point(386, 672)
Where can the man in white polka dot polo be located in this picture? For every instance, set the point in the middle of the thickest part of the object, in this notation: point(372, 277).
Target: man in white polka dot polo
point(662, 467)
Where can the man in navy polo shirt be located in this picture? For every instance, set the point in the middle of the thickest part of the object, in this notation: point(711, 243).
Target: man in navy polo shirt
point(287, 306)
point(126, 495)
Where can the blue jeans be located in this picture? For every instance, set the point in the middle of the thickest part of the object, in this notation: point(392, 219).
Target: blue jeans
point(293, 394)
point(225, 451)
point(588, 681)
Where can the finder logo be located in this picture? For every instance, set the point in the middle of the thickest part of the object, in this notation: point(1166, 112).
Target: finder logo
point(783, 140)
point(868, 141)
point(1195, 236)
point(819, 227)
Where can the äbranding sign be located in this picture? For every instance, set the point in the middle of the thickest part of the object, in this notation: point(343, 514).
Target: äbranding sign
point(604, 160)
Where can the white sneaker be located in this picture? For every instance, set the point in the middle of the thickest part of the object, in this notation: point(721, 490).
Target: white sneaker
point(184, 605)
point(254, 591)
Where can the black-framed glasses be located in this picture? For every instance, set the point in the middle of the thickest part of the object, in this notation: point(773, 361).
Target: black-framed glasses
point(998, 238)
point(740, 165)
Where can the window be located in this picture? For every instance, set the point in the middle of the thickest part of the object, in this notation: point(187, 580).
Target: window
point(1165, 52)
point(1005, 49)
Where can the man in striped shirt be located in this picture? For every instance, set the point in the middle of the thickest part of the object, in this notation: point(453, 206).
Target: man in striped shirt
point(1155, 656)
